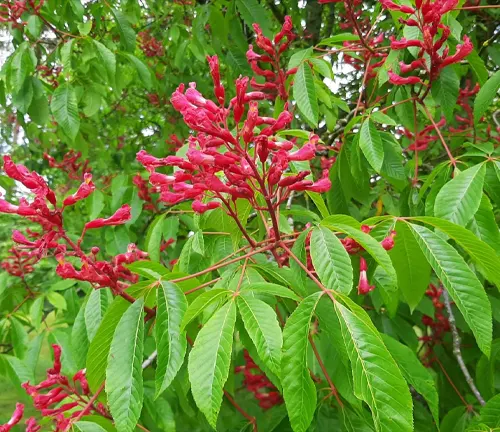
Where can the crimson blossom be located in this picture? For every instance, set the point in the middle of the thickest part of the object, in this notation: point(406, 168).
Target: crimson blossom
point(235, 153)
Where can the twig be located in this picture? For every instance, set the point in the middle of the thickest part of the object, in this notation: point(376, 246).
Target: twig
point(146, 363)
point(457, 351)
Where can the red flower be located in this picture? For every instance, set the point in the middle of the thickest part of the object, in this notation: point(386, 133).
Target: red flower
point(399, 80)
point(121, 216)
point(363, 286)
point(200, 207)
point(85, 189)
point(15, 419)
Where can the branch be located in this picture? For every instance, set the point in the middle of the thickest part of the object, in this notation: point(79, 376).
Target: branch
point(149, 361)
point(457, 351)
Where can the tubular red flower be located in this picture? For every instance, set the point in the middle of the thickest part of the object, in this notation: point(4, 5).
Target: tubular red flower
point(363, 286)
point(15, 419)
point(85, 189)
point(405, 43)
point(462, 52)
point(201, 208)
point(307, 152)
point(56, 369)
point(121, 216)
point(399, 80)
point(7, 207)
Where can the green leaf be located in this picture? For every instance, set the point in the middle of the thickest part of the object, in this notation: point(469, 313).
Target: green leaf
point(459, 199)
point(127, 33)
point(153, 238)
point(19, 338)
point(415, 373)
point(412, 269)
point(263, 328)
point(445, 91)
point(270, 288)
point(323, 67)
point(64, 106)
point(461, 283)
point(484, 225)
point(124, 386)
point(84, 28)
point(377, 378)
point(79, 339)
point(299, 250)
point(148, 269)
point(370, 143)
point(371, 246)
point(34, 26)
point(485, 96)
point(170, 342)
point(108, 60)
point(99, 348)
point(252, 12)
point(490, 413)
point(477, 65)
point(142, 70)
point(299, 57)
point(382, 118)
point(331, 261)
point(85, 426)
point(57, 300)
point(299, 391)
point(304, 93)
point(210, 359)
point(481, 253)
point(95, 311)
point(201, 302)
point(339, 39)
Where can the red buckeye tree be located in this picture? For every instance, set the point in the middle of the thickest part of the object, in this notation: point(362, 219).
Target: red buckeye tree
point(249, 215)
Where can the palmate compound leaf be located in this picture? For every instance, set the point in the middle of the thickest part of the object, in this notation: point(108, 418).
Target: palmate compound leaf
point(331, 261)
point(210, 359)
point(460, 282)
point(377, 378)
point(170, 341)
point(299, 391)
point(263, 328)
point(124, 385)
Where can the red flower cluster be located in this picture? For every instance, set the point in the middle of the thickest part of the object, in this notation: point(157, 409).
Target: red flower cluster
point(439, 325)
point(144, 192)
point(70, 165)
point(44, 211)
point(274, 76)
point(423, 138)
point(150, 46)
point(364, 58)
point(467, 121)
point(257, 383)
point(213, 174)
point(12, 11)
point(103, 273)
point(426, 16)
point(63, 401)
point(20, 262)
